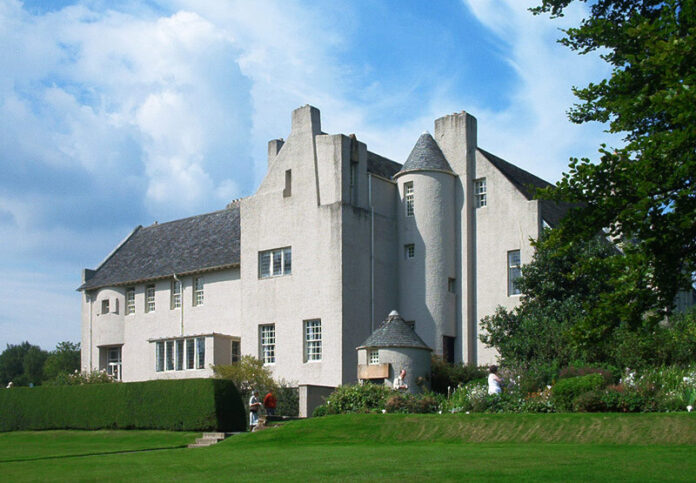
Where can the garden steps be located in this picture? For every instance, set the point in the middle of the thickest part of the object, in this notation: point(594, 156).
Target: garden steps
point(209, 439)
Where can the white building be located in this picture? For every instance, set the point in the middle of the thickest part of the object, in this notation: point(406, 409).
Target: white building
point(301, 272)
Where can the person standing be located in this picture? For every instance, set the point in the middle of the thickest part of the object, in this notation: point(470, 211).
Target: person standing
point(269, 403)
point(254, 405)
point(495, 383)
point(400, 382)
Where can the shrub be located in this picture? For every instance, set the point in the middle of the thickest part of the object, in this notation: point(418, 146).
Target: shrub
point(321, 410)
point(589, 402)
point(572, 371)
point(81, 378)
point(565, 391)
point(358, 398)
point(288, 400)
point(444, 374)
point(176, 405)
point(410, 403)
point(626, 399)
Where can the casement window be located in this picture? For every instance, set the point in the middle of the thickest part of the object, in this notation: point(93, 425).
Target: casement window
point(409, 198)
point(130, 301)
point(113, 363)
point(275, 263)
point(176, 294)
point(105, 306)
point(514, 272)
point(180, 354)
point(150, 298)
point(267, 342)
point(198, 291)
point(236, 351)
point(480, 192)
point(312, 340)
point(409, 251)
point(373, 357)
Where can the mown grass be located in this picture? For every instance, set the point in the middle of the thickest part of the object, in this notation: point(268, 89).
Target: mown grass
point(556, 447)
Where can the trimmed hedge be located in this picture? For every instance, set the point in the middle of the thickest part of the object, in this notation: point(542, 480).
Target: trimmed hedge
point(175, 405)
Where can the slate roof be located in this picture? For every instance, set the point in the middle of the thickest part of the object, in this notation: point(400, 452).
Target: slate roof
point(195, 244)
point(426, 155)
point(527, 184)
point(381, 166)
point(394, 332)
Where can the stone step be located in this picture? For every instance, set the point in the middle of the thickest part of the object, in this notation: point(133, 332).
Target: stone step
point(215, 435)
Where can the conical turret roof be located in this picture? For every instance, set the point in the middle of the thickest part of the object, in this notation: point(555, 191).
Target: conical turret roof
point(425, 156)
point(394, 332)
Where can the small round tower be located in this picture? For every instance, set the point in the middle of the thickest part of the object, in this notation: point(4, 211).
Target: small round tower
point(427, 240)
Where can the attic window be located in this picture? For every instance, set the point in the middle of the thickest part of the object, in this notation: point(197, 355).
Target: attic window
point(287, 192)
point(480, 192)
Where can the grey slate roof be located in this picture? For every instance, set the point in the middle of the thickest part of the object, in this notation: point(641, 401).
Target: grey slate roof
point(381, 166)
point(426, 155)
point(198, 243)
point(527, 184)
point(394, 333)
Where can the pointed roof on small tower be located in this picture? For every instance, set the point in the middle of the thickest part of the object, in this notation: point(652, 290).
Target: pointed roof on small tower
point(394, 332)
point(425, 156)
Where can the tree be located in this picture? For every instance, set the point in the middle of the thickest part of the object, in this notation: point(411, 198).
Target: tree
point(248, 374)
point(64, 360)
point(644, 193)
point(22, 364)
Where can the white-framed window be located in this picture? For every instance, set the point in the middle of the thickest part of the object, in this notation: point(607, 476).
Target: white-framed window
point(409, 251)
point(180, 354)
point(409, 198)
point(514, 271)
point(105, 306)
point(312, 340)
point(159, 356)
point(200, 352)
point(130, 301)
point(267, 342)
point(150, 298)
point(198, 295)
point(373, 357)
point(275, 263)
point(176, 294)
point(236, 351)
point(113, 363)
point(451, 285)
point(480, 192)
point(169, 355)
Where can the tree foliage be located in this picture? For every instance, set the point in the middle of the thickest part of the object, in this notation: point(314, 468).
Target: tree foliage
point(248, 374)
point(22, 364)
point(64, 360)
point(644, 192)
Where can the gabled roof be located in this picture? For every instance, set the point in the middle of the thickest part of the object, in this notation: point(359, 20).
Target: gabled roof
point(195, 244)
point(426, 156)
point(381, 166)
point(526, 183)
point(394, 332)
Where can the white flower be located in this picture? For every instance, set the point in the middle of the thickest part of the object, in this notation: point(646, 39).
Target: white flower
point(439, 412)
point(467, 412)
point(689, 407)
point(384, 411)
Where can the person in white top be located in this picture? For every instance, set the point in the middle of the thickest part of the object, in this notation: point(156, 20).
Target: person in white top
point(495, 383)
point(400, 382)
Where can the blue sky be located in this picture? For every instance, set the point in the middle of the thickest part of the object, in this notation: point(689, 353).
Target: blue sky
point(115, 114)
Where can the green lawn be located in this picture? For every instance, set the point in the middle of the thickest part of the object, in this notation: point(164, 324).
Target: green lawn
point(557, 447)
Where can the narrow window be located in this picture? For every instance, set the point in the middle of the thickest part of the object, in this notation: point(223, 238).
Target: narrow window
point(312, 340)
point(176, 294)
point(287, 261)
point(448, 349)
point(200, 349)
point(409, 196)
point(105, 306)
point(130, 301)
point(159, 356)
point(514, 272)
point(373, 357)
point(480, 192)
point(354, 183)
point(169, 355)
point(267, 343)
point(264, 264)
point(287, 192)
point(198, 291)
point(190, 353)
point(150, 298)
point(451, 285)
point(115, 306)
point(275, 263)
point(409, 251)
point(236, 351)
point(180, 354)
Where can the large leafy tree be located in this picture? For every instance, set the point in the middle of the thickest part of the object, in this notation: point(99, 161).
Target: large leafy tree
point(22, 364)
point(64, 360)
point(644, 192)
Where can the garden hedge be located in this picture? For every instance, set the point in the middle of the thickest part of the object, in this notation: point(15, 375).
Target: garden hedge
point(177, 405)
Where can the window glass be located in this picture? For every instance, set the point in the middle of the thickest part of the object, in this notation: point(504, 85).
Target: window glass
point(159, 356)
point(514, 272)
point(180, 354)
point(236, 351)
point(312, 340)
point(264, 264)
point(150, 298)
point(480, 192)
point(169, 355)
point(200, 346)
point(287, 261)
point(275, 262)
point(176, 294)
point(190, 353)
point(409, 197)
point(373, 357)
point(105, 306)
point(130, 301)
point(198, 291)
point(410, 250)
point(267, 342)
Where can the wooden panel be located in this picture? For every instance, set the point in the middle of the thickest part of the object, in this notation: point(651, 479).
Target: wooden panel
point(373, 371)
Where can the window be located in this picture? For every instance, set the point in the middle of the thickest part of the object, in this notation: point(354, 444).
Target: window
point(180, 354)
point(448, 349)
point(480, 192)
point(105, 306)
point(198, 291)
point(200, 348)
point(176, 294)
point(150, 298)
point(113, 363)
point(169, 355)
point(130, 301)
point(274, 263)
point(312, 340)
point(287, 192)
point(353, 182)
point(409, 251)
point(514, 272)
point(373, 357)
point(159, 356)
point(115, 311)
point(236, 351)
point(267, 343)
point(408, 196)
point(190, 353)
point(451, 285)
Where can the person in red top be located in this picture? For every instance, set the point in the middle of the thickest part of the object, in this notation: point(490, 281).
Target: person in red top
point(269, 403)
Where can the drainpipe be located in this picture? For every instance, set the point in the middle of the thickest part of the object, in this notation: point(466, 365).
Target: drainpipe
point(372, 253)
point(90, 302)
point(181, 301)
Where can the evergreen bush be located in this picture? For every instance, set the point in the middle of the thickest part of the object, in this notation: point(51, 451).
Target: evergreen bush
point(565, 391)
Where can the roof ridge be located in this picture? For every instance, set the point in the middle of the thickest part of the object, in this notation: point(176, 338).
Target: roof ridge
point(234, 206)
